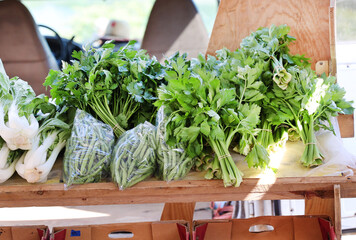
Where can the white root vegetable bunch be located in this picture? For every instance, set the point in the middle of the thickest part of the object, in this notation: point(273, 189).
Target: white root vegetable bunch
point(25, 146)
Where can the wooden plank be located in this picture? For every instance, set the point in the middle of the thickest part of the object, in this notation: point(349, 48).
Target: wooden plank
point(337, 210)
point(332, 34)
point(322, 67)
point(193, 189)
point(308, 20)
point(348, 190)
point(17, 192)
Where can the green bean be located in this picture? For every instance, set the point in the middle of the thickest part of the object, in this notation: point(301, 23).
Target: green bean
point(91, 161)
point(87, 154)
point(135, 148)
point(87, 150)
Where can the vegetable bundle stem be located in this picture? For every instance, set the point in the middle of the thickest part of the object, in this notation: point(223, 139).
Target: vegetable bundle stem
point(231, 175)
point(311, 155)
point(102, 109)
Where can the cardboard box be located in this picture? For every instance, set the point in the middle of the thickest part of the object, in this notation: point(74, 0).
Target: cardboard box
point(24, 233)
point(172, 230)
point(266, 228)
point(212, 229)
point(72, 232)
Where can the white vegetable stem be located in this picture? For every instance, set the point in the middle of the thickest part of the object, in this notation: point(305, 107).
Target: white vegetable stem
point(35, 166)
point(6, 171)
point(18, 132)
point(4, 153)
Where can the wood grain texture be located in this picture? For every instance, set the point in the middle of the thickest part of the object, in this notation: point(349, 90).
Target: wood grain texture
point(327, 206)
point(318, 206)
point(153, 191)
point(337, 209)
point(322, 67)
point(178, 211)
point(332, 34)
point(308, 20)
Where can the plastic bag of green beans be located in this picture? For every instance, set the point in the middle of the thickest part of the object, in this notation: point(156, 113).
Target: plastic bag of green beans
point(133, 158)
point(88, 150)
point(173, 162)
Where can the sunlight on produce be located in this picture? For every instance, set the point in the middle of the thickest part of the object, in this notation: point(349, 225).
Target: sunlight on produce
point(40, 213)
point(277, 157)
point(268, 177)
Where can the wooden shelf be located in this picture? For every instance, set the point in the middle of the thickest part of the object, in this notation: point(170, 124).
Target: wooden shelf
point(16, 192)
point(194, 188)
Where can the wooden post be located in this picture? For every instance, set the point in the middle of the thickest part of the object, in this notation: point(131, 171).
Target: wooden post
point(326, 206)
point(337, 209)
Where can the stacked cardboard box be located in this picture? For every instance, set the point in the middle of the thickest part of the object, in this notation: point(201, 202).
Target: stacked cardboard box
point(260, 228)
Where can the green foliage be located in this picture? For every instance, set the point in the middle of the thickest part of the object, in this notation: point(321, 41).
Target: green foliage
point(209, 108)
point(252, 98)
point(119, 87)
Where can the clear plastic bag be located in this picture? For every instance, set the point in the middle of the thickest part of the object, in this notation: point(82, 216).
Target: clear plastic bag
point(134, 157)
point(338, 161)
point(88, 150)
point(173, 162)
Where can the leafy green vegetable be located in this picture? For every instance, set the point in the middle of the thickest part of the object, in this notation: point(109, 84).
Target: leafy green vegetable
point(295, 97)
point(8, 160)
point(204, 110)
point(173, 163)
point(243, 73)
point(20, 111)
point(118, 88)
point(306, 106)
point(255, 97)
point(48, 143)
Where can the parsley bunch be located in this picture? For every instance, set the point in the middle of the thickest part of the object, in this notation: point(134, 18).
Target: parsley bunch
point(295, 98)
point(249, 99)
point(118, 87)
point(205, 110)
point(305, 106)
